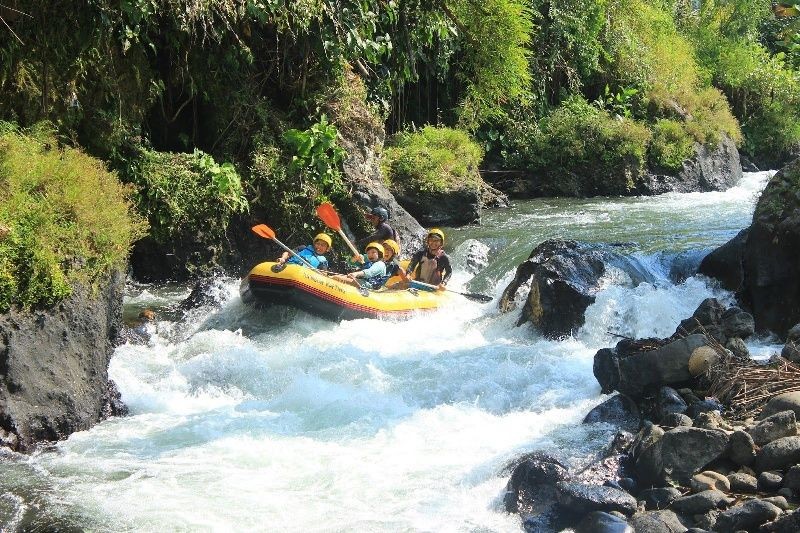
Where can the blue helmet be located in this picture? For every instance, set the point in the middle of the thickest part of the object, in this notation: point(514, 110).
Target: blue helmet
point(381, 213)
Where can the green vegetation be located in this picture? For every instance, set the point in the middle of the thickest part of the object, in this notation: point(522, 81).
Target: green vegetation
point(670, 145)
point(63, 219)
point(433, 160)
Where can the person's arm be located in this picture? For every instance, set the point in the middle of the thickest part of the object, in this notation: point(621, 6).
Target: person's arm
point(415, 259)
point(283, 258)
point(447, 270)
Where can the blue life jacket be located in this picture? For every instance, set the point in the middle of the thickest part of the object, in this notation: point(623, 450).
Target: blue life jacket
point(309, 254)
point(391, 269)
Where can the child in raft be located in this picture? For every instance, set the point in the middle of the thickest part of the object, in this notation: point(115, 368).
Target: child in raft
point(313, 254)
point(373, 270)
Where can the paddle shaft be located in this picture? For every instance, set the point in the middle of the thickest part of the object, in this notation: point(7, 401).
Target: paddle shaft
point(473, 296)
point(300, 257)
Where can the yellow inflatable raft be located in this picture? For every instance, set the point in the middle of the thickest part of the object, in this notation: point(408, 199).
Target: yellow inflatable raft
point(316, 293)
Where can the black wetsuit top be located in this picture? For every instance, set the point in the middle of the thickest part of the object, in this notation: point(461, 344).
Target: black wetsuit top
point(442, 265)
point(383, 231)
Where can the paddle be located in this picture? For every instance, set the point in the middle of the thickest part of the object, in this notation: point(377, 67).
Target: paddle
point(330, 217)
point(470, 295)
point(262, 230)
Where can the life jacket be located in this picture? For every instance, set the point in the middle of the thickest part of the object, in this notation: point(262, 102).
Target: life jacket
point(309, 254)
point(428, 269)
point(391, 269)
point(375, 282)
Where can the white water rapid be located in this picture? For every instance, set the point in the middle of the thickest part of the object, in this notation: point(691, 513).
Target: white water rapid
point(247, 420)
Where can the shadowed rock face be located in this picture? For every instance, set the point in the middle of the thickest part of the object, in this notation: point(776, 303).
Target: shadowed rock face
point(54, 367)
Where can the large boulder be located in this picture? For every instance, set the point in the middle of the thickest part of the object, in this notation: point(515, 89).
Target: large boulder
point(710, 169)
point(564, 277)
point(725, 263)
point(54, 366)
point(679, 454)
point(771, 257)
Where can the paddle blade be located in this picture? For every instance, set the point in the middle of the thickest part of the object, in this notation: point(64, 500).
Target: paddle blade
point(262, 230)
point(477, 297)
point(329, 216)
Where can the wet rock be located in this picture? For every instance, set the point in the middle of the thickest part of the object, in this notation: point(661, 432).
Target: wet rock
point(656, 522)
point(659, 497)
point(477, 255)
point(668, 401)
point(779, 454)
point(711, 420)
point(531, 488)
point(746, 516)
point(769, 481)
point(701, 502)
point(582, 498)
point(771, 284)
point(791, 350)
point(773, 427)
point(600, 522)
point(679, 454)
point(725, 263)
point(782, 402)
point(709, 480)
point(706, 319)
point(738, 348)
point(704, 406)
point(619, 410)
point(609, 469)
point(647, 436)
point(210, 291)
point(641, 371)
point(737, 323)
point(675, 420)
point(789, 523)
point(743, 483)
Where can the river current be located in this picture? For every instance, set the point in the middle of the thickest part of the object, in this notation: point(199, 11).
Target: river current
point(253, 420)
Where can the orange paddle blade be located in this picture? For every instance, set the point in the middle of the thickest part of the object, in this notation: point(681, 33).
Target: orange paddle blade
point(329, 216)
point(262, 230)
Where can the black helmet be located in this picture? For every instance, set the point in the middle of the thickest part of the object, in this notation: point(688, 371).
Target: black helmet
point(381, 213)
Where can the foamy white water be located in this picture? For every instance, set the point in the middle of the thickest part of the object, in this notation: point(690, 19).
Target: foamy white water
point(247, 420)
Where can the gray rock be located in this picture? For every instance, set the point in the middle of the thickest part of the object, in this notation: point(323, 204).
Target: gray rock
point(477, 255)
point(704, 406)
point(725, 263)
point(779, 454)
point(791, 351)
point(710, 420)
point(679, 454)
point(792, 478)
point(769, 481)
point(743, 483)
point(709, 480)
point(747, 516)
point(778, 501)
point(600, 522)
point(668, 401)
point(582, 498)
point(742, 449)
point(665, 521)
point(619, 410)
point(531, 487)
point(676, 420)
point(738, 348)
point(786, 493)
point(773, 427)
point(788, 401)
point(701, 502)
point(54, 365)
point(659, 497)
point(737, 323)
point(789, 523)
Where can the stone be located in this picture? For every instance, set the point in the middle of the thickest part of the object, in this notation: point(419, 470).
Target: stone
point(742, 450)
point(477, 255)
point(742, 483)
point(600, 522)
point(679, 454)
point(619, 411)
point(582, 498)
point(711, 420)
point(746, 516)
point(709, 480)
point(701, 502)
point(704, 406)
point(769, 481)
point(665, 521)
point(792, 478)
point(532, 483)
point(675, 420)
point(725, 263)
point(788, 523)
point(668, 401)
point(738, 348)
point(737, 323)
point(782, 402)
point(778, 501)
point(779, 454)
point(659, 497)
point(703, 358)
point(773, 427)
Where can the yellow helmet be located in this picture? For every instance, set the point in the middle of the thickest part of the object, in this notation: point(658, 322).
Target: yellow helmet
point(378, 246)
point(436, 231)
point(393, 245)
point(324, 237)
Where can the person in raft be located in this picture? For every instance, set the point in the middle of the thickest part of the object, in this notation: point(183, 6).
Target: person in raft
point(373, 270)
point(391, 254)
point(378, 217)
point(429, 265)
point(314, 253)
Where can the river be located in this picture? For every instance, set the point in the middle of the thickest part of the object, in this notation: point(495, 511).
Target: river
point(246, 420)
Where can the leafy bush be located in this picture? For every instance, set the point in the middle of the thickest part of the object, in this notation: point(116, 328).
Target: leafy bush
point(670, 145)
point(63, 219)
point(184, 193)
point(433, 160)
